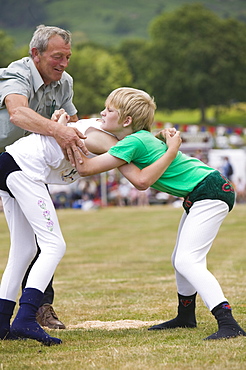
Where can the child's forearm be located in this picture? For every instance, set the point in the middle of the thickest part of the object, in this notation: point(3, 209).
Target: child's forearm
point(143, 179)
point(101, 163)
point(149, 175)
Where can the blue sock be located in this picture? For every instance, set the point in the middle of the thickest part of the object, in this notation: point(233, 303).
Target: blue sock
point(25, 324)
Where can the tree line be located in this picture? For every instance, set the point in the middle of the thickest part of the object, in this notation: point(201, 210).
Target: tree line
point(192, 59)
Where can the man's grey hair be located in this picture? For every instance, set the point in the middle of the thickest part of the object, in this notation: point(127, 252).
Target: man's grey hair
point(42, 35)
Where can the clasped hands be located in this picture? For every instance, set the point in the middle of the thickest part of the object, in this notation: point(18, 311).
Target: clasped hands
point(69, 138)
point(170, 136)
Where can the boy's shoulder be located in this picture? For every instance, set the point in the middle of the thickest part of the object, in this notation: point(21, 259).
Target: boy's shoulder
point(142, 135)
point(138, 138)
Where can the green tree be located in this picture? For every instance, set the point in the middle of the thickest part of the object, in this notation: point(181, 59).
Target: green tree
point(7, 51)
point(136, 53)
point(197, 59)
point(96, 73)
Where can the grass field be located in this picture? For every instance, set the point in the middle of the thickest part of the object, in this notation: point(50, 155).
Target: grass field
point(116, 280)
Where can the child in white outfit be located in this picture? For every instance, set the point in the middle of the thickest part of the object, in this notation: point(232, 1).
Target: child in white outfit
point(25, 168)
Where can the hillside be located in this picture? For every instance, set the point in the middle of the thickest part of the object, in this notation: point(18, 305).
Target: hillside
point(105, 22)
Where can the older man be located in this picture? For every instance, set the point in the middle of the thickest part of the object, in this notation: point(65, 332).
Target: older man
point(30, 90)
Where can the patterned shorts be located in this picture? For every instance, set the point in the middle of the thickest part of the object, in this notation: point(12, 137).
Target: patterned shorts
point(214, 186)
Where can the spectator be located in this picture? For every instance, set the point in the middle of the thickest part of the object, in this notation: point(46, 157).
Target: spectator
point(227, 169)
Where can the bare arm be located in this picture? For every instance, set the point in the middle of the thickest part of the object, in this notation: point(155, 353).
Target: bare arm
point(23, 116)
point(141, 179)
point(99, 142)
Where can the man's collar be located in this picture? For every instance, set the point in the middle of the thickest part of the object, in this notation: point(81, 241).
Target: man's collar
point(37, 79)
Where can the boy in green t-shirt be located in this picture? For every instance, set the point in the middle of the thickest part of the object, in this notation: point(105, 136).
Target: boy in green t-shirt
point(208, 197)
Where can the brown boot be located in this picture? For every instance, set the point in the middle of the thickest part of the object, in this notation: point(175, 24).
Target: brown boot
point(46, 316)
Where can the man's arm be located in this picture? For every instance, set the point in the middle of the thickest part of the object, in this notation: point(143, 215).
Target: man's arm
point(23, 116)
point(141, 179)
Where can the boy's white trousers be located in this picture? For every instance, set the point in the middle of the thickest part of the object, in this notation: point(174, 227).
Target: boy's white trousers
point(196, 233)
point(30, 213)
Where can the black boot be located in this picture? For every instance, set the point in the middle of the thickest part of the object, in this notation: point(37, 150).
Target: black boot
point(25, 324)
point(227, 325)
point(186, 317)
point(6, 312)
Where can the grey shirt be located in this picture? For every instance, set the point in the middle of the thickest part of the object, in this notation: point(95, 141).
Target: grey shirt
point(22, 77)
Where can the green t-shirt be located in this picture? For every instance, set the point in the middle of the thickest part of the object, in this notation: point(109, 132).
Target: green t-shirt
point(143, 148)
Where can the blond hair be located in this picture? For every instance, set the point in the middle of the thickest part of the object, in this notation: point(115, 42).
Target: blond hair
point(134, 103)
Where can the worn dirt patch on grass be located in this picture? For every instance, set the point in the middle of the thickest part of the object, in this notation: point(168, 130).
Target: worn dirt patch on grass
point(112, 325)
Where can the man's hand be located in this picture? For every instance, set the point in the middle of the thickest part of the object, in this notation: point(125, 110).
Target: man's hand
point(71, 143)
point(69, 139)
point(163, 133)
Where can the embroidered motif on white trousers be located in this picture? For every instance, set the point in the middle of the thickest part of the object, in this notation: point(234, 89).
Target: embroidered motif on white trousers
point(30, 213)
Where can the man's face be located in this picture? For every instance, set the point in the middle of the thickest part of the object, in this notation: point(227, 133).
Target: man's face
point(54, 60)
